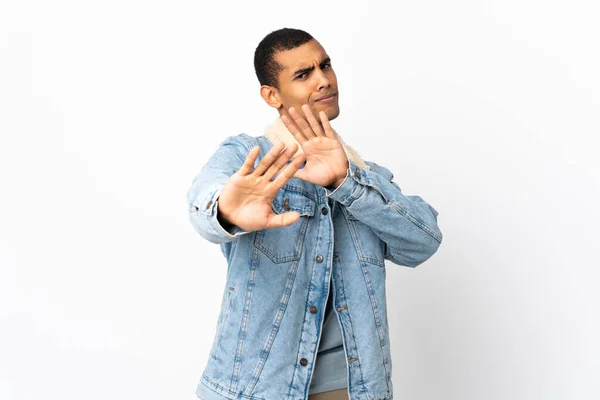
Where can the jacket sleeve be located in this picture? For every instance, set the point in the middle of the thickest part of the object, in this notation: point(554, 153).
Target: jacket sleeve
point(202, 196)
point(406, 224)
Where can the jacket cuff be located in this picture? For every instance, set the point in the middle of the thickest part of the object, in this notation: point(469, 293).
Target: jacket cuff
point(206, 208)
point(351, 187)
point(230, 233)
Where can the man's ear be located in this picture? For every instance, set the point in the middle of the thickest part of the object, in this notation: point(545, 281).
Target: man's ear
point(270, 95)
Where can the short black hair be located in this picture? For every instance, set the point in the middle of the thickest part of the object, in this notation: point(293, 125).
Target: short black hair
point(265, 66)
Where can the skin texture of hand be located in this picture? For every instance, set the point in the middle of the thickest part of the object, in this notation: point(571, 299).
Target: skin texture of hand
point(246, 198)
point(326, 161)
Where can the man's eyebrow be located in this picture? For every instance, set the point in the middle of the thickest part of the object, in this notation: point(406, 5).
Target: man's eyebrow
point(308, 69)
point(304, 70)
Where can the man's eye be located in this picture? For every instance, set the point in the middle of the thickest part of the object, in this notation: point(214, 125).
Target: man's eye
point(302, 76)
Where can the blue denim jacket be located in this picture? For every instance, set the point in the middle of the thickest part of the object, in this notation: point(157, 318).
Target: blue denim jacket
point(269, 327)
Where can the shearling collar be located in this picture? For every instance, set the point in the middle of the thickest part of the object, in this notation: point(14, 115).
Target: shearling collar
point(278, 132)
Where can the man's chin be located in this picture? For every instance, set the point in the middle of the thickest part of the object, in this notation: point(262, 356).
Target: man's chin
point(333, 113)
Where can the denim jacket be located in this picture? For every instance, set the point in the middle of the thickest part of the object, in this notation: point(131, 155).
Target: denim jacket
point(270, 322)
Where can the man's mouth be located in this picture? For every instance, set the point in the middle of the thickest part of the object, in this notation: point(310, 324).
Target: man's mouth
point(326, 99)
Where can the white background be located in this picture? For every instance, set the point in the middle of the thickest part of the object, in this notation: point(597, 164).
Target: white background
point(486, 109)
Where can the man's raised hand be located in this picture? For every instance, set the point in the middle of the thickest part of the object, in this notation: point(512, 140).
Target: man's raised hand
point(246, 198)
point(326, 161)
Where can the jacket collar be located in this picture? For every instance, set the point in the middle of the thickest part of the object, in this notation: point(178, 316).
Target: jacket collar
point(277, 132)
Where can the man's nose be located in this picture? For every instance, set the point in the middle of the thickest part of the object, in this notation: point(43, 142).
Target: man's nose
point(322, 80)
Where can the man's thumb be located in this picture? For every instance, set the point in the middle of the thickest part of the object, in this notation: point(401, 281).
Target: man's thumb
point(300, 174)
point(285, 219)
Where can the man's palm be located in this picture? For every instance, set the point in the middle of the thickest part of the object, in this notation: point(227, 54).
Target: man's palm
point(245, 200)
point(325, 161)
point(250, 199)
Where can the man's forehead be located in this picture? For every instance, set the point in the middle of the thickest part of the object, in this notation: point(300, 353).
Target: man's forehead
point(302, 56)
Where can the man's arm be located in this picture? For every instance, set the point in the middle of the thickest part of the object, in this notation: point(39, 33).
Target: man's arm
point(406, 224)
point(206, 187)
point(231, 196)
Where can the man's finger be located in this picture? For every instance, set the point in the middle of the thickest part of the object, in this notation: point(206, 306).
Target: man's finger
point(280, 161)
point(310, 117)
point(293, 129)
point(268, 159)
point(326, 126)
point(301, 123)
point(248, 164)
point(288, 171)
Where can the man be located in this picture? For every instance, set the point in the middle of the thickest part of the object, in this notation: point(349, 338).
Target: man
point(305, 225)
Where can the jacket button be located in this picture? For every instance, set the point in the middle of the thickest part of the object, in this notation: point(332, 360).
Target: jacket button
point(303, 362)
point(319, 258)
point(313, 309)
point(324, 211)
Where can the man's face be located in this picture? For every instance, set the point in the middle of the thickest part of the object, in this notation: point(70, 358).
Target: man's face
point(307, 78)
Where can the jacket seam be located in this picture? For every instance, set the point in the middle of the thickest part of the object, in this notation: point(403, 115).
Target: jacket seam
point(243, 326)
point(415, 221)
point(378, 320)
point(249, 141)
point(226, 392)
point(343, 290)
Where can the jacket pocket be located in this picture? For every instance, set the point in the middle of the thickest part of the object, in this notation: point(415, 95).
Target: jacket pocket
point(284, 244)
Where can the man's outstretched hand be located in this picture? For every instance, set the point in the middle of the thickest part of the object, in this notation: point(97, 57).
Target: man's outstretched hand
point(246, 198)
point(326, 161)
